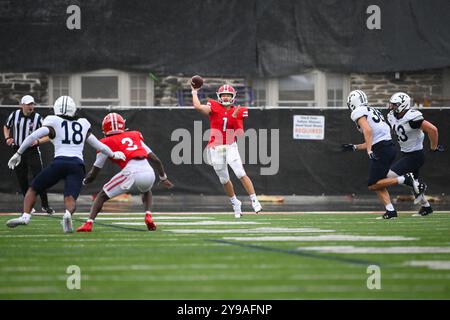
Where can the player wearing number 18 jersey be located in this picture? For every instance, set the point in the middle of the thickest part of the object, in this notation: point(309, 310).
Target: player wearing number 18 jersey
point(68, 133)
point(136, 174)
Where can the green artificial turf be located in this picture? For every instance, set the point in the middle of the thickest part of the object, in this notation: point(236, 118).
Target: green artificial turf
point(127, 262)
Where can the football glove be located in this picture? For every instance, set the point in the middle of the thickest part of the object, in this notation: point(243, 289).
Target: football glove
point(14, 161)
point(372, 156)
point(348, 147)
point(119, 155)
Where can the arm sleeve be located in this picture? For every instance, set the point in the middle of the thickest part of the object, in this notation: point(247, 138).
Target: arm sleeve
point(39, 133)
point(100, 160)
point(416, 121)
point(243, 113)
point(8, 123)
point(103, 148)
point(358, 113)
point(147, 148)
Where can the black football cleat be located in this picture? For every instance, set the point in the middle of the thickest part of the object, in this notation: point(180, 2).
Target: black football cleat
point(388, 215)
point(424, 211)
point(418, 188)
point(48, 210)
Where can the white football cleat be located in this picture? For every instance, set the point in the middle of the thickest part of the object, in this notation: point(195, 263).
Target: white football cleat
point(256, 206)
point(67, 223)
point(237, 209)
point(17, 222)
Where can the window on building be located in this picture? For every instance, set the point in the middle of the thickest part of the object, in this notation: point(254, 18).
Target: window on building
point(60, 86)
point(104, 88)
point(138, 90)
point(258, 93)
point(99, 91)
point(335, 90)
point(313, 89)
point(297, 90)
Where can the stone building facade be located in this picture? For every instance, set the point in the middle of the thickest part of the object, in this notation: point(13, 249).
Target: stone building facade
point(427, 88)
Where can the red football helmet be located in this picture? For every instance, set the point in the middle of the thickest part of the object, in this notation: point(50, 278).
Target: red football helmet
point(226, 88)
point(113, 123)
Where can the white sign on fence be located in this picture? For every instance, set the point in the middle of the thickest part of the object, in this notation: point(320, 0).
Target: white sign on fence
point(309, 127)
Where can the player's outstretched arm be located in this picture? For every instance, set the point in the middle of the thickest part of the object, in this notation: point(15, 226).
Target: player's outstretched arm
point(367, 132)
point(28, 142)
point(432, 133)
point(31, 139)
point(98, 165)
point(103, 148)
point(156, 163)
point(202, 108)
point(91, 175)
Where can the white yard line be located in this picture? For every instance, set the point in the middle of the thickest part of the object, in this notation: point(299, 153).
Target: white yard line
point(376, 250)
point(255, 230)
point(199, 223)
point(430, 264)
point(333, 237)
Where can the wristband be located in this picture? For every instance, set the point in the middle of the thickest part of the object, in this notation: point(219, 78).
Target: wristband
point(164, 177)
point(194, 91)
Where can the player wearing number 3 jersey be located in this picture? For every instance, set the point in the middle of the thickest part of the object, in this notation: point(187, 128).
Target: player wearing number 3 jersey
point(227, 123)
point(136, 175)
point(380, 149)
point(68, 133)
point(409, 126)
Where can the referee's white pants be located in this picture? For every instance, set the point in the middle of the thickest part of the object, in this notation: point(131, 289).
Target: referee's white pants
point(137, 176)
point(222, 156)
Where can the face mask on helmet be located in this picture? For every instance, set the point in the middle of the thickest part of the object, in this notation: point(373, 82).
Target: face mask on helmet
point(399, 102)
point(355, 99)
point(226, 95)
point(64, 106)
point(113, 123)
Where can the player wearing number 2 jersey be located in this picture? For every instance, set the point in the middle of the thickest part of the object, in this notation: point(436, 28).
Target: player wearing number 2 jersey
point(68, 134)
point(136, 174)
point(379, 146)
point(226, 123)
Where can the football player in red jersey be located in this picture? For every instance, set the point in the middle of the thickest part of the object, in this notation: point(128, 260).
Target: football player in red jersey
point(226, 121)
point(136, 174)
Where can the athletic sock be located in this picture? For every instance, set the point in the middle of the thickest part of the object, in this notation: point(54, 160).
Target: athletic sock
point(401, 180)
point(253, 197)
point(90, 220)
point(234, 200)
point(424, 202)
point(390, 207)
point(26, 217)
point(67, 213)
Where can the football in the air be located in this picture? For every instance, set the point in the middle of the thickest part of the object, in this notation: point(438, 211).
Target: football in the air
point(196, 82)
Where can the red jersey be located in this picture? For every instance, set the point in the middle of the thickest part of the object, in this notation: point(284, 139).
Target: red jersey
point(223, 124)
point(129, 142)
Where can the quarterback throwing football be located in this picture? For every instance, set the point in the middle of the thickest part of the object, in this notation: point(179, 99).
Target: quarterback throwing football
point(226, 121)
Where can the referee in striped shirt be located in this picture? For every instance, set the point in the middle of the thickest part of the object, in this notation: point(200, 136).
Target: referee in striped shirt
point(19, 125)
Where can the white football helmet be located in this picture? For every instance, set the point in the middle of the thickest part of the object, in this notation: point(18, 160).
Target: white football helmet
point(64, 106)
point(355, 99)
point(399, 102)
